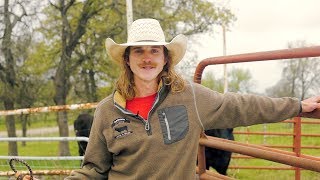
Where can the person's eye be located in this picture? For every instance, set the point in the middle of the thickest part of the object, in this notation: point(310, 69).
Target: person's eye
point(138, 51)
point(154, 51)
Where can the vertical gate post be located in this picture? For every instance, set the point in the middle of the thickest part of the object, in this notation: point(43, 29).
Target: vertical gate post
point(297, 144)
point(201, 158)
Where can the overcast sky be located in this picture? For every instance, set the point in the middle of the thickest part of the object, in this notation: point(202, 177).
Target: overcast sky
point(263, 25)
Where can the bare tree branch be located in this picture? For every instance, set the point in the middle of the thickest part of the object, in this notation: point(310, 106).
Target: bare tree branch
point(55, 6)
point(18, 18)
point(88, 11)
point(68, 5)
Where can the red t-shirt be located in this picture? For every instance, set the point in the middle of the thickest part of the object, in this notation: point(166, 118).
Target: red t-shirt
point(141, 105)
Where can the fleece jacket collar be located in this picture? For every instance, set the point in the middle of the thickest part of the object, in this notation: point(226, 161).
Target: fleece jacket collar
point(120, 102)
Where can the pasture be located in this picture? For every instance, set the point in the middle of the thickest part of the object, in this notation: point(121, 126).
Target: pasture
point(44, 125)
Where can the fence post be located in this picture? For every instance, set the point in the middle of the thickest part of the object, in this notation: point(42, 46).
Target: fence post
point(201, 157)
point(297, 143)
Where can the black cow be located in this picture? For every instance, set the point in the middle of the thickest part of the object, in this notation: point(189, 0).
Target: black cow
point(82, 126)
point(219, 159)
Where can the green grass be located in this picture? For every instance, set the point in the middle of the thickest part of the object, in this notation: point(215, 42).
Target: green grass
point(51, 149)
point(41, 148)
point(253, 174)
point(38, 120)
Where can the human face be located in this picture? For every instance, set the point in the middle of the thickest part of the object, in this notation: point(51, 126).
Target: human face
point(146, 62)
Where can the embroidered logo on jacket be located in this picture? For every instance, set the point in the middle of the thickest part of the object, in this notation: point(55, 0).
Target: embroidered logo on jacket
point(119, 125)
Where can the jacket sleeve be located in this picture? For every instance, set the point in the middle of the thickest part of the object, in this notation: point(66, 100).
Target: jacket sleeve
point(231, 110)
point(97, 159)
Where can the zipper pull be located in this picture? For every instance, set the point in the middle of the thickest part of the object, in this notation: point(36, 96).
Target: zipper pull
point(146, 126)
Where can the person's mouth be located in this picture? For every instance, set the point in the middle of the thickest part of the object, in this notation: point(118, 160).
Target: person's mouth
point(147, 67)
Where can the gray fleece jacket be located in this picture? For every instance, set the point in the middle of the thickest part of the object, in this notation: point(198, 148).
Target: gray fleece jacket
point(122, 145)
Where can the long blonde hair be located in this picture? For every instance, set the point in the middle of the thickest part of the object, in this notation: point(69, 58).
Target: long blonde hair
point(125, 83)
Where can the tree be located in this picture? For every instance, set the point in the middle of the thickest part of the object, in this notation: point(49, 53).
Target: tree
point(175, 17)
point(71, 31)
point(210, 81)
point(24, 97)
point(12, 26)
point(239, 80)
point(78, 41)
point(300, 77)
point(32, 78)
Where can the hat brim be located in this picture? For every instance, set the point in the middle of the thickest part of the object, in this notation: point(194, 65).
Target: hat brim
point(176, 47)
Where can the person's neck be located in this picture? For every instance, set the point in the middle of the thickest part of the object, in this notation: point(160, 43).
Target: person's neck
point(144, 88)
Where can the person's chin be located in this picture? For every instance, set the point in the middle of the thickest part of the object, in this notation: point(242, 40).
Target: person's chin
point(147, 77)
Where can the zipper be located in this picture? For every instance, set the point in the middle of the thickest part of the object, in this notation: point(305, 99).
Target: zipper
point(167, 125)
point(146, 123)
point(154, 104)
point(147, 126)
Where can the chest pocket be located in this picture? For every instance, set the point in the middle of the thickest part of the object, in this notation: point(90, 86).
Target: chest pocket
point(174, 123)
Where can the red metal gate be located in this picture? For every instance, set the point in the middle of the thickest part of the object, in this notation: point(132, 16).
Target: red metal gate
point(295, 158)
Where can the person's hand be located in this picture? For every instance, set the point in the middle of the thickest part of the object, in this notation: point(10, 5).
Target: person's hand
point(310, 104)
point(311, 107)
point(24, 177)
point(28, 177)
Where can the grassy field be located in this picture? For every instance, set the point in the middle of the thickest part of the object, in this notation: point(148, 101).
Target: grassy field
point(51, 149)
point(253, 174)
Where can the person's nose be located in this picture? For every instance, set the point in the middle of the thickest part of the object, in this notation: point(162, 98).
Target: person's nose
point(147, 58)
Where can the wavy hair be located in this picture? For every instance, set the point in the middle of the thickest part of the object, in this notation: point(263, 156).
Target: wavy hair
point(125, 83)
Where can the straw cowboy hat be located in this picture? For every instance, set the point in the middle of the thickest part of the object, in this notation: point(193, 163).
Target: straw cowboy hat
point(147, 32)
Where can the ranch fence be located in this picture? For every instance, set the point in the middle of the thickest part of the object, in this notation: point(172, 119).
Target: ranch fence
point(295, 159)
point(296, 146)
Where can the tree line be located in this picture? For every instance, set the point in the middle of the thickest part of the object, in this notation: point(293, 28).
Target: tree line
point(52, 52)
point(300, 78)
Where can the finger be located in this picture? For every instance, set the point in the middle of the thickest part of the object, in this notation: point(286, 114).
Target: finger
point(19, 176)
point(26, 177)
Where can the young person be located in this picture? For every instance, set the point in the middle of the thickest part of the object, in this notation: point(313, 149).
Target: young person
point(149, 128)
